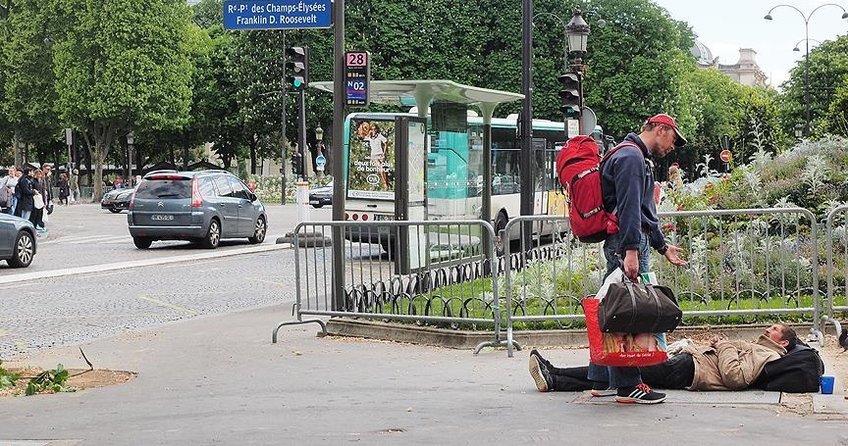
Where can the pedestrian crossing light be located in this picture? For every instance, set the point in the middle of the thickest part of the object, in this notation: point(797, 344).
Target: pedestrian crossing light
point(571, 95)
point(297, 68)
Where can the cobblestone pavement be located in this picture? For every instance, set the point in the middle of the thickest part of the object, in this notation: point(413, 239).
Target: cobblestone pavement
point(76, 309)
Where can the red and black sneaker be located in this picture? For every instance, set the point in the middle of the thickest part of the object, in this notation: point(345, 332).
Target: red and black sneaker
point(639, 394)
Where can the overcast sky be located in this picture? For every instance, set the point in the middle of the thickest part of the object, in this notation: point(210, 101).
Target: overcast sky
point(724, 26)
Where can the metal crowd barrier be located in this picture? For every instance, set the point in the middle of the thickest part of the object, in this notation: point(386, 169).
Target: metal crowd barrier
point(837, 269)
point(744, 265)
point(436, 272)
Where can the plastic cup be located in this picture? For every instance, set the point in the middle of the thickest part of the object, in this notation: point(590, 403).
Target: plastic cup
point(827, 384)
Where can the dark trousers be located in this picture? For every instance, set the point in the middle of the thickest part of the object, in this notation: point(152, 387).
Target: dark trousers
point(675, 373)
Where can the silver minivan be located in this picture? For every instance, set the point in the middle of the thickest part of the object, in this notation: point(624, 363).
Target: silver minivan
point(202, 207)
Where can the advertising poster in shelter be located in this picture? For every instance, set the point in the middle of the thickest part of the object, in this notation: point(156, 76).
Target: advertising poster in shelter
point(371, 164)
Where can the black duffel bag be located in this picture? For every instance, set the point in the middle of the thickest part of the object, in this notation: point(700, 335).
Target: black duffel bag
point(639, 308)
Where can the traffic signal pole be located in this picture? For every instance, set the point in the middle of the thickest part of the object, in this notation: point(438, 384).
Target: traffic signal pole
point(337, 160)
point(284, 152)
point(526, 123)
point(301, 130)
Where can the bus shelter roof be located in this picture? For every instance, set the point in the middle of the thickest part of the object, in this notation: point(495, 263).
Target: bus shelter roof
point(425, 92)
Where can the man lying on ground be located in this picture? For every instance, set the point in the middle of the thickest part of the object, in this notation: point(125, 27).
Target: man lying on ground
point(777, 361)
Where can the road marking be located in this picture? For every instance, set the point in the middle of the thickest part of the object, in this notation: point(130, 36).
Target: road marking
point(256, 279)
point(97, 269)
point(82, 240)
point(166, 304)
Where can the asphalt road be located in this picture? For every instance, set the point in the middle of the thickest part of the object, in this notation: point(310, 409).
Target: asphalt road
point(59, 307)
point(85, 235)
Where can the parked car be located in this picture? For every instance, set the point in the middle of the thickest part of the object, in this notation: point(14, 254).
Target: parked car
point(17, 241)
point(117, 200)
point(321, 196)
point(202, 207)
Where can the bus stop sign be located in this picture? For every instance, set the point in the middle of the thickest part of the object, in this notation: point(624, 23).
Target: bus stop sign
point(357, 78)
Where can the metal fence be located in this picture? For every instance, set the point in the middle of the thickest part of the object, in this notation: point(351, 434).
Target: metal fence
point(837, 260)
point(747, 265)
point(437, 272)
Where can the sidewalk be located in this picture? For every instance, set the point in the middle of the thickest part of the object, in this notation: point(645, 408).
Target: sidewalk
point(219, 380)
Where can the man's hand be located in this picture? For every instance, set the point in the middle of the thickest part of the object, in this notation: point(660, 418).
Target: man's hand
point(716, 340)
point(631, 263)
point(675, 255)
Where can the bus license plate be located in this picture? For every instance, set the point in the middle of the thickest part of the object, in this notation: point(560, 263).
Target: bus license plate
point(379, 217)
point(162, 217)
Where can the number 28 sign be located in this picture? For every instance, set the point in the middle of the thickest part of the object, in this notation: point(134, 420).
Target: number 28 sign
point(357, 77)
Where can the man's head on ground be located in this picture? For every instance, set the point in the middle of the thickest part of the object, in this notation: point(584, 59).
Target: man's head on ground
point(782, 335)
point(661, 135)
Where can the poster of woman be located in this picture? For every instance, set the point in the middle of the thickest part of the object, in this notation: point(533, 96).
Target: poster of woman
point(372, 158)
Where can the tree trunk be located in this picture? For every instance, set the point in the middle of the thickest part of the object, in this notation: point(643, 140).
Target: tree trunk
point(253, 157)
point(19, 155)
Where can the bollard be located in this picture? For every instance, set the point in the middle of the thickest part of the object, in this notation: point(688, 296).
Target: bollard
point(302, 200)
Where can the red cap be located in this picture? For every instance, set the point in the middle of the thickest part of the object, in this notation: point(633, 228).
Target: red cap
point(663, 118)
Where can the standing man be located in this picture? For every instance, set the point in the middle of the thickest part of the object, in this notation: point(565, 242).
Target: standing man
point(627, 182)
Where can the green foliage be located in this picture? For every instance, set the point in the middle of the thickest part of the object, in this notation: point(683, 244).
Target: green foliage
point(121, 65)
point(49, 381)
point(828, 74)
point(7, 379)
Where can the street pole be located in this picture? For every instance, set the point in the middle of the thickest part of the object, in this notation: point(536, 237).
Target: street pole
point(806, 18)
point(526, 122)
point(301, 137)
point(336, 161)
point(807, 79)
point(284, 152)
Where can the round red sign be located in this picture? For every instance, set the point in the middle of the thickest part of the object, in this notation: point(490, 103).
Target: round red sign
point(726, 156)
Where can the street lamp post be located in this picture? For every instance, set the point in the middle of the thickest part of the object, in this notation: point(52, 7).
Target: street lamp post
point(319, 147)
point(806, 18)
point(577, 33)
point(799, 130)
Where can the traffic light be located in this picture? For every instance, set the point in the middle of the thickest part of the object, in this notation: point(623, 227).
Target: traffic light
point(297, 68)
point(296, 163)
point(571, 95)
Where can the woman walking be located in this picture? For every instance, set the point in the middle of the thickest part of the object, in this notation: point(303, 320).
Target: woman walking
point(64, 189)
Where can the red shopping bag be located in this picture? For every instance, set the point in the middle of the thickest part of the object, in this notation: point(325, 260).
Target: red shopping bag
point(621, 349)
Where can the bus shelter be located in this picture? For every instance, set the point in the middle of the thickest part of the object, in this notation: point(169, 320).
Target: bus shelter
point(445, 103)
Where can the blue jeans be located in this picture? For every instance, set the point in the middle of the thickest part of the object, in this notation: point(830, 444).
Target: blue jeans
point(620, 376)
point(26, 214)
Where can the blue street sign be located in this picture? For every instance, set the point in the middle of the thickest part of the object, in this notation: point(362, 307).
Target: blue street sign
point(320, 160)
point(277, 14)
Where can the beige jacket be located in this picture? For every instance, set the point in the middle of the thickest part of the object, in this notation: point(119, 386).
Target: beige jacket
point(732, 365)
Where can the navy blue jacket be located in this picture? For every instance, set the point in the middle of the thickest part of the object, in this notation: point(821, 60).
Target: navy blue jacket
point(627, 183)
point(25, 192)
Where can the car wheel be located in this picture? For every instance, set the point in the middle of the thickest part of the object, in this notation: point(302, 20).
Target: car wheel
point(24, 250)
point(213, 235)
point(114, 210)
point(259, 231)
point(142, 242)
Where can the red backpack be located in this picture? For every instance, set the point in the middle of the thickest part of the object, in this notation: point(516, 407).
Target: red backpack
point(578, 166)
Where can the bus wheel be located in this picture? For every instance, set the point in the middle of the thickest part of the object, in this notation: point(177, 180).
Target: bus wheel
point(500, 236)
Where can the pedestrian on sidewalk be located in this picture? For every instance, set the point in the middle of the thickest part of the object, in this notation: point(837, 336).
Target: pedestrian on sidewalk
point(627, 183)
point(7, 191)
point(25, 192)
point(64, 189)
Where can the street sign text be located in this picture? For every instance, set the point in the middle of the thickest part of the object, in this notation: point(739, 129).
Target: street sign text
point(277, 14)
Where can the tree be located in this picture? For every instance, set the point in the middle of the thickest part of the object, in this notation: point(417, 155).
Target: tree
point(121, 65)
point(28, 79)
point(828, 70)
